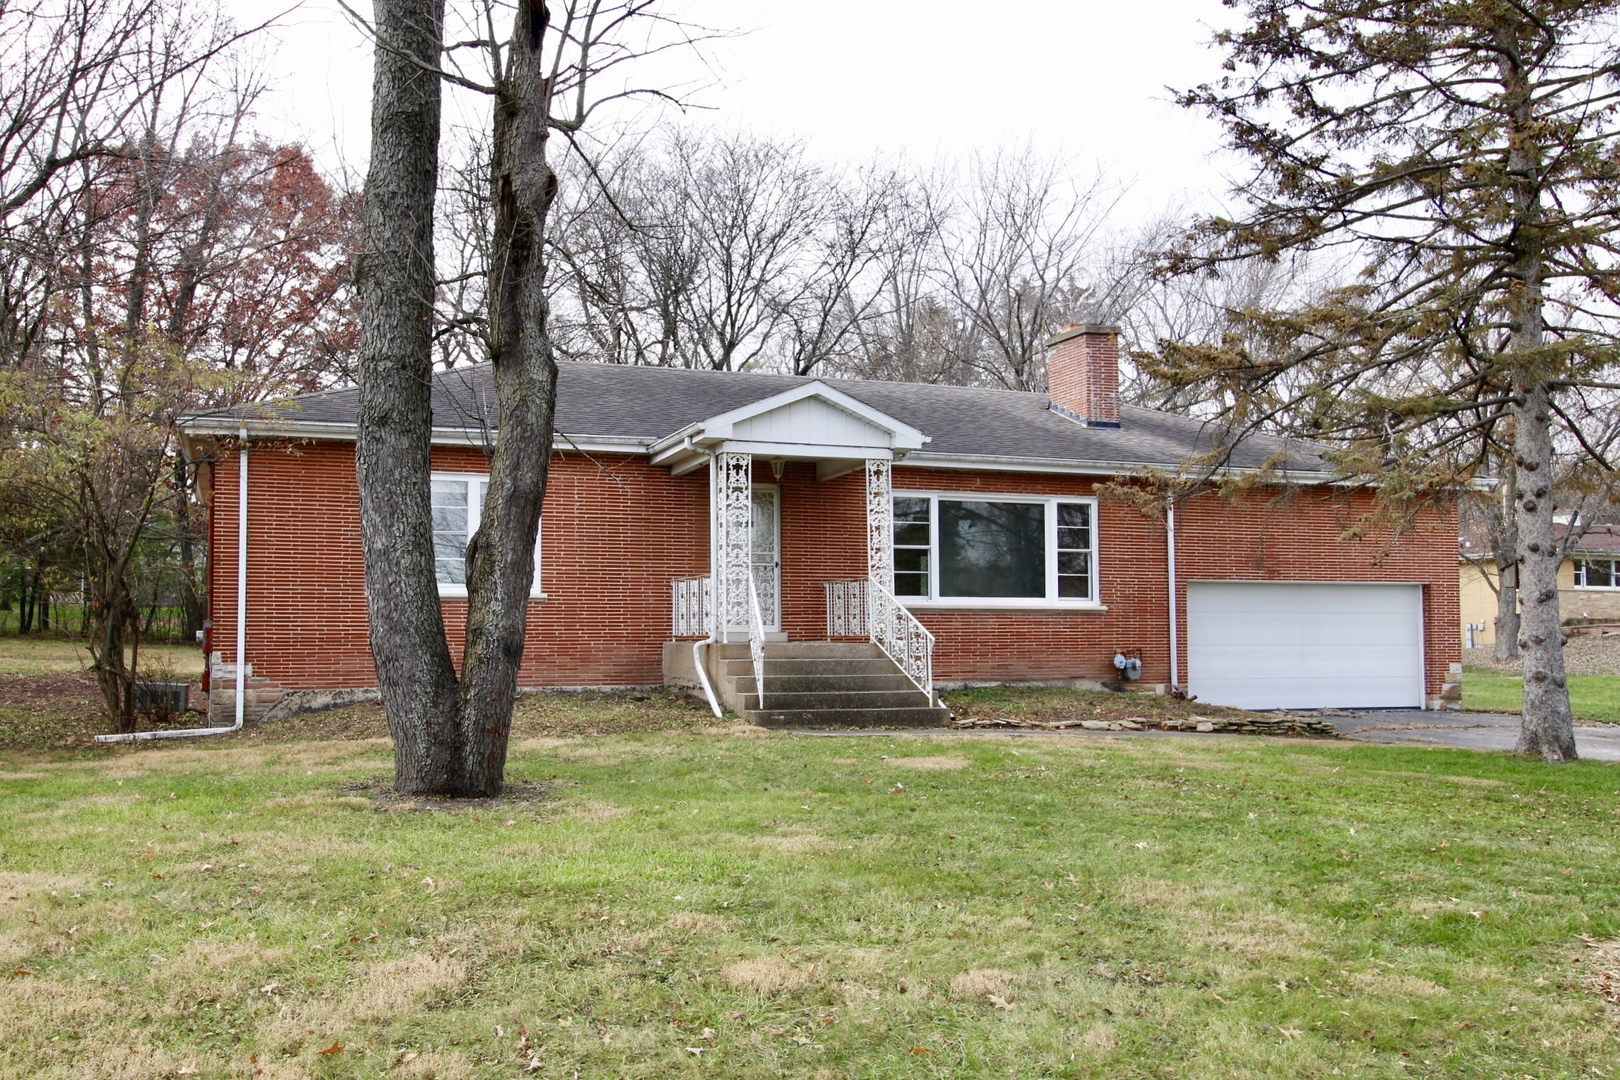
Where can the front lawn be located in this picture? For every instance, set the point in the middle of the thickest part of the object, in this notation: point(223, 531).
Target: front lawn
point(727, 904)
point(1594, 698)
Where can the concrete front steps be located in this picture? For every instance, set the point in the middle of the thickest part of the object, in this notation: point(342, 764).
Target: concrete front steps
point(823, 684)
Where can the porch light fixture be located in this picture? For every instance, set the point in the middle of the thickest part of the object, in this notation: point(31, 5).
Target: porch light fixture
point(777, 465)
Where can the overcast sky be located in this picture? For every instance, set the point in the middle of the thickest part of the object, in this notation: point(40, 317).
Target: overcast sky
point(854, 78)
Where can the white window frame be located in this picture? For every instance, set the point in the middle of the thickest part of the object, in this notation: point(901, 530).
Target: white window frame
point(1051, 601)
point(477, 486)
point(1581, 562)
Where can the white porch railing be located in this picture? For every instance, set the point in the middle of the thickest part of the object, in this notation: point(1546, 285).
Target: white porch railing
point(867, 608)
point(756, 639)
point(692, 606)
point(846, 608)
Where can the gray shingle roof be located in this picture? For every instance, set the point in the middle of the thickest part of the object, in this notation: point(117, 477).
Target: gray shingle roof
point(648, 403)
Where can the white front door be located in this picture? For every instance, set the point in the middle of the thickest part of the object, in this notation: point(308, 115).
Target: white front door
point(767, 554)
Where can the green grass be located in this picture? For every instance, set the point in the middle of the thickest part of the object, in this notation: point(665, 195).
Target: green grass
point(58, 656)
point(1594, 698)
point(727, 905)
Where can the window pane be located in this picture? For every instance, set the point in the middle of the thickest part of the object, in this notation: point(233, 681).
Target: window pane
point(1074, 586)
point(911, 533)
point(1074, 562)
point(449, 501)
point(450, 493)
point(992, 549)
point(1600, 574)
point(910, 584)
point(1074, 539)
point(911, 561)
point(911, 509)
point(1074, 516)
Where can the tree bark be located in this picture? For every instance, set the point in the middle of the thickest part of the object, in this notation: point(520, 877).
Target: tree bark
point(395, 281)
point(500, 562)
point(1506, 544)
point(1547, 728)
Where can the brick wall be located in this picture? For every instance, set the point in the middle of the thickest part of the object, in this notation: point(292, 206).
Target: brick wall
point(611, 540)
point(616, 531)
point(1258, 538)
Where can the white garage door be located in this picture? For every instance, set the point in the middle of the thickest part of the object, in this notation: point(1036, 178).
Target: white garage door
point(1293, 645)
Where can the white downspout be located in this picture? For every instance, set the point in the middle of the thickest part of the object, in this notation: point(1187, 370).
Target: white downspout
point(1170, 552)
point(241, 618)
point(699, 647)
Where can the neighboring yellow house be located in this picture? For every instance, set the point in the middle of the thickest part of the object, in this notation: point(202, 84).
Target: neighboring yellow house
point(1588, 584)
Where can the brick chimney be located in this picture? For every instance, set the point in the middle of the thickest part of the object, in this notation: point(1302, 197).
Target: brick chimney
point(1082, 374)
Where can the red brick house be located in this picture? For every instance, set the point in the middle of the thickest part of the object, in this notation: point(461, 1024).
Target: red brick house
point(917, 536)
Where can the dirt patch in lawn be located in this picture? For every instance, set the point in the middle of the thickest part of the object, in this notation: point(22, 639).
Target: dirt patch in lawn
point(60, 712)
point(947, 762)
point(384, 798)
point(1601, 963)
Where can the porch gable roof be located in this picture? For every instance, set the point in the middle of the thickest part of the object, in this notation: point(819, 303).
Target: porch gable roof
point(812, 421)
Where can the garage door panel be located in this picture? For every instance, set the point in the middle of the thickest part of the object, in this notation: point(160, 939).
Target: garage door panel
point(1270, 645)
point(1308, 661)
point(1260, 631)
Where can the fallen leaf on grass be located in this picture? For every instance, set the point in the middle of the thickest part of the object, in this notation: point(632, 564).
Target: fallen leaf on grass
point(335, 1048)
point(774, 1031)
point(1291, 1033)
point(998, 1001)
point(921, 1050)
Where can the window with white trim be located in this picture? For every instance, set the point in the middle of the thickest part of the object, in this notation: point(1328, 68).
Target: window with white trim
point(1597, 574)
point(989, 552)
point(458, 505)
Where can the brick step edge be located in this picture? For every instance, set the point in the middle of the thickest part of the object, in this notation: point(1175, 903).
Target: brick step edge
point(1264, 725)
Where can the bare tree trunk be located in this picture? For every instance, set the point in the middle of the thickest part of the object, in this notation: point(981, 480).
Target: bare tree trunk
point(1506, 543)
point(395, 280)
point(1548, 727)
point(500, 563)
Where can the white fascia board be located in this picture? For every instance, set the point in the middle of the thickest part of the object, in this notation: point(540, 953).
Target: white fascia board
point(902, 437)
point(997, 463)
point(343, 432)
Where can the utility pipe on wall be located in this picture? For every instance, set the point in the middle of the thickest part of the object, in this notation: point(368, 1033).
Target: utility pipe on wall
point(241, 617)
point(1170, 558)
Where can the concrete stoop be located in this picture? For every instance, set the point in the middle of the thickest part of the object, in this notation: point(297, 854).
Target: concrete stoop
point(822, 684)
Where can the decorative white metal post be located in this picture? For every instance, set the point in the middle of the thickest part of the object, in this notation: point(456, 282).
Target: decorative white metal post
point(733, 540)
point(889, 624)
point(879, 523)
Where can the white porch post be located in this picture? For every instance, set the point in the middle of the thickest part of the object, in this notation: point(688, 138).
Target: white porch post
point(879, 523)
point(733, 539)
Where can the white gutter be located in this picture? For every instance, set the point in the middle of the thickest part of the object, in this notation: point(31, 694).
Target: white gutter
point(287, 428)
point(1170, 553)
point(241, 620)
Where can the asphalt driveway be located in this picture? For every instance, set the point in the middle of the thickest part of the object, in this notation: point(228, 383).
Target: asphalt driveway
point(1467, 730)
